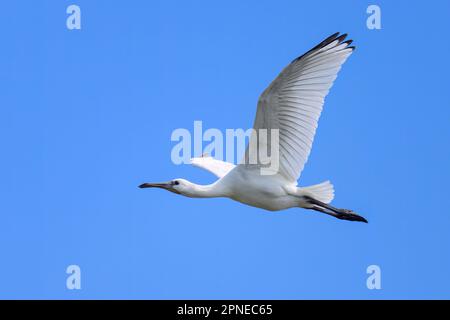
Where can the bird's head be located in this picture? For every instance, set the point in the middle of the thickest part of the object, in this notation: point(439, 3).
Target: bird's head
point(179, 186)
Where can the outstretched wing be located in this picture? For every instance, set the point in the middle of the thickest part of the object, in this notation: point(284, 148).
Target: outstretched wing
point(293, 102)
point(216, 167)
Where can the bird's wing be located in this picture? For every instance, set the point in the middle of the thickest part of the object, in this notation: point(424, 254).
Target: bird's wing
point(293, 102)
point(216, 167)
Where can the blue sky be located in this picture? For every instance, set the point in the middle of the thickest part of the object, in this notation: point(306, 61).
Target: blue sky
point(86, 115)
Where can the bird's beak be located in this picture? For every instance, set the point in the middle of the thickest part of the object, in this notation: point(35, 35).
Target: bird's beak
point(162, 185)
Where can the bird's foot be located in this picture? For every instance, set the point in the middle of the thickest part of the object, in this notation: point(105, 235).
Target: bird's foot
point(345, 214)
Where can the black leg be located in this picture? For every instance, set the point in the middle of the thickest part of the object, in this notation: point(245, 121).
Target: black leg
point(342, 214)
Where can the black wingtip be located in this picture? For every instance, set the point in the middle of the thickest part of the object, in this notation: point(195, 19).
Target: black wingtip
point(341, 37)
point(335, 36)
point(324, 43)
point(348, 42)
point(328, 40)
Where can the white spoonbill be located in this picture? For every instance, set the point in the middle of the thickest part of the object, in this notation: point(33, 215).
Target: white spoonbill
point(291, 104)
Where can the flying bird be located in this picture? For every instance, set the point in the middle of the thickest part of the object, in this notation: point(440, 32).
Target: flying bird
point(292, 104)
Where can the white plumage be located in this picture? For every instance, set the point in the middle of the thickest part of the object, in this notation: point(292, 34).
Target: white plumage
point(216, 167)
point(292, 104)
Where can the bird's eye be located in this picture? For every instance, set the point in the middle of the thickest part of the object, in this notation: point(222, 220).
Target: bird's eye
point(176, 182)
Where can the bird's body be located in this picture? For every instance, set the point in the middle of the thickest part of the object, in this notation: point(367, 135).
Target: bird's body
point(291, 107)
point(271, 192)
point(248, 186)
point(267, 192)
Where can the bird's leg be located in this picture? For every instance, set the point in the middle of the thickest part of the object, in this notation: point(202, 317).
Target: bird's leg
point(343, 214)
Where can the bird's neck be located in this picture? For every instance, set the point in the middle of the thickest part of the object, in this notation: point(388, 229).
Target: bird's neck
point(214, 190)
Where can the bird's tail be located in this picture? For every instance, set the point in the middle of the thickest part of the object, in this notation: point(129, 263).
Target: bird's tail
point(323, 192)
